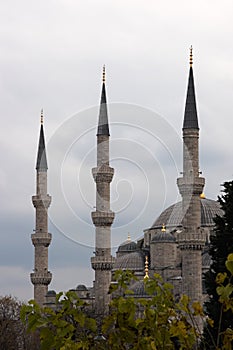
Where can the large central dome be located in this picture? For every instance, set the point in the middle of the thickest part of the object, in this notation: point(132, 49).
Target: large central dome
point(173, 215)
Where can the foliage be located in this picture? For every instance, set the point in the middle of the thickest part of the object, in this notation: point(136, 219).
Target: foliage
point(224, 290)
point(155, 322)
point(65, 328)
point(221, 243)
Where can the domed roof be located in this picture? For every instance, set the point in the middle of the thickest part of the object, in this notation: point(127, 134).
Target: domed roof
point(127, 246)
point(51, 293)
point(163, 237)
point(133, 261)
point(81, 287)
point(138, 288)
point(172, 216)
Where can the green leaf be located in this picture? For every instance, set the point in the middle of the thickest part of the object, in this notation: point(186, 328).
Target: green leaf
point(224, 292)
point(229, 265)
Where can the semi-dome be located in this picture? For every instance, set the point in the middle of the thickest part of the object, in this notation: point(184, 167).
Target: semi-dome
point(173, 215)
point(133, 261)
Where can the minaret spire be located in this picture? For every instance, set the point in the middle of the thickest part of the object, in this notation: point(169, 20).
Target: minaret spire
point(190, 114)
point(41, 164)
point(103, 128)
point(103, 217)
point(191, 56)
point(42, 116)
point(191, 240)
point(103, 79)
point(41, 239)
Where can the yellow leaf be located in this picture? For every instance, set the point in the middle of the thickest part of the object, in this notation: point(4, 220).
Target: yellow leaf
point(221, 277)
point(229, 265)
point(210, 322)
point(153, 346)
point(230, 257)
point(197, 308)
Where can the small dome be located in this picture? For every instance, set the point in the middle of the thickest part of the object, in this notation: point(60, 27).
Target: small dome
point(51, 293)
point(133, 261)
point(127, 246)
point(138, 288)
point(173, 215)
point(81, 287)
point(163, 237)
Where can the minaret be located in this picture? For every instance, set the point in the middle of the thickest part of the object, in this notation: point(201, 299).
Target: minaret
point(103, 217)
point(41, 239)
point(191, 240)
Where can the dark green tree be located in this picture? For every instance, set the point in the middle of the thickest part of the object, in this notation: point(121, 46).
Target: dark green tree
point(221, 244)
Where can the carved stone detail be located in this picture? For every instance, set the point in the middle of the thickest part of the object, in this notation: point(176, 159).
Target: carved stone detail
point(102, 218)
point(41, 278)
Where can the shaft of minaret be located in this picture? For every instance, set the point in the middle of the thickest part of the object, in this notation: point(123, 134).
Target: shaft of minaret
point(103, 217)
point(191, 240)
point(41, 239)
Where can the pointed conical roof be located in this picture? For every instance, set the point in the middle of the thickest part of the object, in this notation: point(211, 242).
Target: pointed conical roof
point(190, 114)
point(41, 163)
point(103, 128)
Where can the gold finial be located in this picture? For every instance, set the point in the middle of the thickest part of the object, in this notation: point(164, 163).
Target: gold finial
point(104, 73)
point(128, 238)
point(42, 116)
point(191, 56)
point(146, 268)
point(163, 228)
point(202, 196)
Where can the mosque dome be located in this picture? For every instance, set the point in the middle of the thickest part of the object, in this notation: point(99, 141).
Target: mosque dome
point(138, 289)
point(81, 287)
point(127, 246)
point(133, 261)
point(172, 216)
point(51, 293)
point(165, 237)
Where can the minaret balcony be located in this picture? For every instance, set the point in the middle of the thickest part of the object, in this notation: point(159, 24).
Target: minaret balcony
point(191, 239)
point(102, 218)
point(189, 186)
point(102, 262)
point(103, 174)
point(41, 201)
point(41, 278)
point(40, 239)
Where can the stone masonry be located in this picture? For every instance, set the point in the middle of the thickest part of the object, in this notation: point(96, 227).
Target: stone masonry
point(41, 239)
point(191, 240)
point(103, 217)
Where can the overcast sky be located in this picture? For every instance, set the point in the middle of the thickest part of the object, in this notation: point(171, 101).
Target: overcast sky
point(52, 53)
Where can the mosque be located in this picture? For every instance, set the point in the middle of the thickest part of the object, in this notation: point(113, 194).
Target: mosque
point(175, 246)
